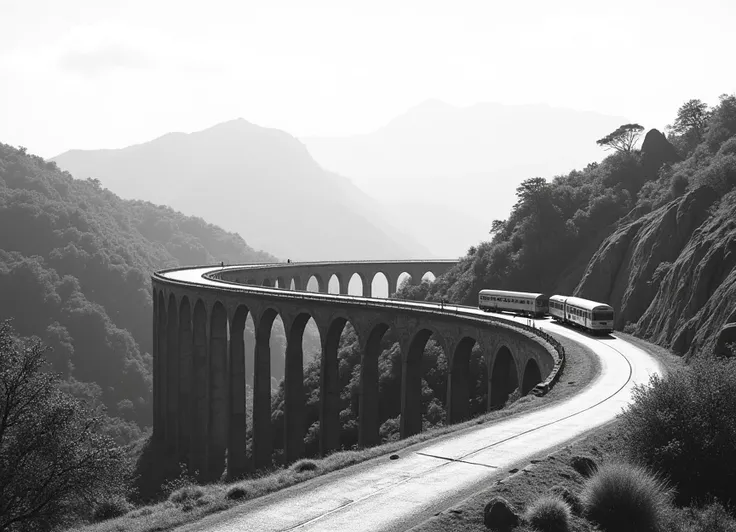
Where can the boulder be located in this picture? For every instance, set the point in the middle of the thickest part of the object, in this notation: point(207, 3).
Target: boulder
point(500, 515)
point(656, 150)
point(726, 337)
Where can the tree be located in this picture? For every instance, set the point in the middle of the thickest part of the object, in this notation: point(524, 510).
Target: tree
point(623, 139)
point(54, 463)
point(692, 117)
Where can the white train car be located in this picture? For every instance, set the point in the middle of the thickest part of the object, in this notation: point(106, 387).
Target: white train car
point(526, 303)
point(590, 315)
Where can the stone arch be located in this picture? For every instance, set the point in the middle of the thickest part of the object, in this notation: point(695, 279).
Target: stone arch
point(321, 285)
point(262, 443)
point(404, 278)
point(236, 461)
point(281, 282)
point(296, 283)
point(365, 286)
point(368, 408)
point(251, 281)
point(172, 376)
point(218, 396)
point(532, 376)
point(411, 382)
point(458, 382)
point(341, 285)
point(294, 406)
point(377, 283)
point(186, 347)
point(267, 282)
point(428, 276)
point(200, 371)
point(504, 378)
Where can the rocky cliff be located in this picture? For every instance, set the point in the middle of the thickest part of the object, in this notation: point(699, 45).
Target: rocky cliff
point(671, 273)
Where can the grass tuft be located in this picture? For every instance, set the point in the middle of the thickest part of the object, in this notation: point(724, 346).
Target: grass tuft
point(623, 497)
point(302, 466)
point(111, 508)
point(548, 514)
point(186, 495)
point(238, 493)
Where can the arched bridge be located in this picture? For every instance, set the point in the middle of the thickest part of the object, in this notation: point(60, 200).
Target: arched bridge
point(199, 361)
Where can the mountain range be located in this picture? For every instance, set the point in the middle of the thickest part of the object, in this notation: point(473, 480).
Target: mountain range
point(261, 183)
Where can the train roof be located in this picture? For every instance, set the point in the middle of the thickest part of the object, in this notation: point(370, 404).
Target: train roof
point(509, 293)
point(579, 302)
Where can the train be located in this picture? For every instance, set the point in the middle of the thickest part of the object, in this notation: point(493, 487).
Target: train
point(592, 316)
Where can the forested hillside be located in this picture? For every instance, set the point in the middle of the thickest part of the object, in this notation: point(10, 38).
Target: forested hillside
point(652, 231)
point(75, 266)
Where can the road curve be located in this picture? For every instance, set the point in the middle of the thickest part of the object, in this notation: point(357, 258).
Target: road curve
point(389, 495)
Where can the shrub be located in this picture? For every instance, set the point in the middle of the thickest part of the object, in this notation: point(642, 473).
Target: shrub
point(548, 514)
point(626, 498)
point(186, 495)
point(712, 518)
point(302, 466)
point(110, 509)
point(237, 493)
point(684, 426)
point(571, 498)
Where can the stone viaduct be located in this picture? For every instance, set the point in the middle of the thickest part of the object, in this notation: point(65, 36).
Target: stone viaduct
point(199, 361)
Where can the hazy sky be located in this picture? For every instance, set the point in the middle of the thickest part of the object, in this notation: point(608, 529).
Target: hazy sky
point(104, 73)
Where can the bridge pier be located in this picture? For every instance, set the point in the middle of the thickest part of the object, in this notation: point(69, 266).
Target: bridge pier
point(236, 459)
point(186, 347)
point(262, 446)
point(329, 413)
point(294, 406)
point(200, 392)
point(458, 382)
point(368, 420)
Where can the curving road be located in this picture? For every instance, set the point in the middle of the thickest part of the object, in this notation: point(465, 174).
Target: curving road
point(389, 495)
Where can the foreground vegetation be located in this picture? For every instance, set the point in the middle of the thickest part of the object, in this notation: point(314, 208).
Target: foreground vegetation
point(664, 465)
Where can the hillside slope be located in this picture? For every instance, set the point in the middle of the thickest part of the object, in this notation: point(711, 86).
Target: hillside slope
point(650, 231)
point(75, 266)
point(257, 181)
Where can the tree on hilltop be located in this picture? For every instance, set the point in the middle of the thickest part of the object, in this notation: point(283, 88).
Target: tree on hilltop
point(692, 117)
point(623, 139)
point(54, 463)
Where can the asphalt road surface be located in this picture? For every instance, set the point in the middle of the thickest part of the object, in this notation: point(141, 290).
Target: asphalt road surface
point(393, 495)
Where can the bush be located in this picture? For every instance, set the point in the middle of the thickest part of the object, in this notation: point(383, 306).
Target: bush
point(110, 509)
point(626, 498)
point(571, 498)
point(238, 493)
point(683, 426)
point(712, 518)
point(548, 514)
point(302, 466)
point(186, 495)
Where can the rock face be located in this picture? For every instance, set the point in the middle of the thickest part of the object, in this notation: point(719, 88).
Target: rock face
point(656, 150)
point(500, 515)
point(672, 272)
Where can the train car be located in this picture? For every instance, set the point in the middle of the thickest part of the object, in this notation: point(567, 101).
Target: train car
point(592, 316)
point(528, 304)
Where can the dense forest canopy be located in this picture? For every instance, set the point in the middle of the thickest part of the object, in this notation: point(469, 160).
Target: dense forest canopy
point(75, 266)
